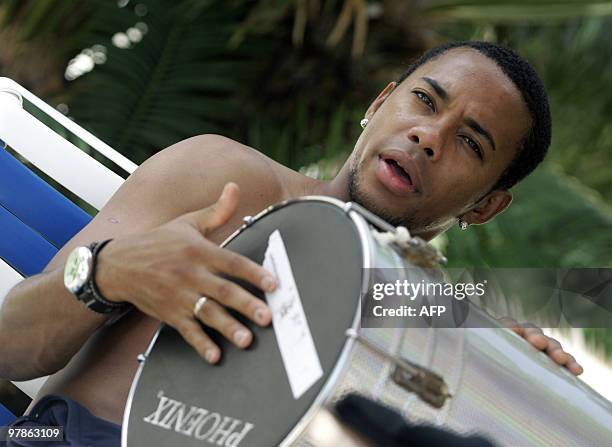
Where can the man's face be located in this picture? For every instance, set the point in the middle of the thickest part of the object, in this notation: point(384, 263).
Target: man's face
point(438, 142)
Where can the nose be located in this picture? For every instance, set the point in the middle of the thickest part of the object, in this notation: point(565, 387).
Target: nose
point(428, 140)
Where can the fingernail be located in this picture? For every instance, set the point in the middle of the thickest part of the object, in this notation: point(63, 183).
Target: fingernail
point(268, 284)
point(261, 316)
point(211, 355)
point(240, 337)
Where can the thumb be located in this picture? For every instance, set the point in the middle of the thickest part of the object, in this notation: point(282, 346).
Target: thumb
point(221, 211)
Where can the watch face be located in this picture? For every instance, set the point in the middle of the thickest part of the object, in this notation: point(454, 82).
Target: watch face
point(78, 268)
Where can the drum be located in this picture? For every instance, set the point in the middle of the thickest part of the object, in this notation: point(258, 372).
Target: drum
point(269, 394)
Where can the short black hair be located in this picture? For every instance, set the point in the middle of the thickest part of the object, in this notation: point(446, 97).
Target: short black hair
point(534, 146)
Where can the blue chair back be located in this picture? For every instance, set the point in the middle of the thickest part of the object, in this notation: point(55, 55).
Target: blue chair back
point(6, 417)
point(35, 219)
point(35, 222)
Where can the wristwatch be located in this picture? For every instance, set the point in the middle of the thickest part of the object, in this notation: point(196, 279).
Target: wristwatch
point(79, 279)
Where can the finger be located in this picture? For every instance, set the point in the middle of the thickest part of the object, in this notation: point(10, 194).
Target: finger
point(575, 368)
point(536, 338)
point(531, 326)
point(553, 345)
point(214, 315)
point(511, 324)
point(555, 352)
point(559, 356)
point(238, 266)
point(232, 295)
point(570, 359)
point(221, 211)
point(193, 334)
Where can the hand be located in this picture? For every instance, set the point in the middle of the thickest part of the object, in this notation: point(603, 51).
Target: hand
point(165, 271)
point(536, 338)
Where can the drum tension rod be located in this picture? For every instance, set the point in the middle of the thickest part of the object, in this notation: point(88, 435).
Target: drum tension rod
point(369, 216)
point(426, 384)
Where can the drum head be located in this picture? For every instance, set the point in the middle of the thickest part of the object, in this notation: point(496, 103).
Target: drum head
point(252, 386)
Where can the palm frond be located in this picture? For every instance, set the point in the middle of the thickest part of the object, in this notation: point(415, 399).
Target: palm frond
point(512, 11)
point(554, 222)
point(181, 79)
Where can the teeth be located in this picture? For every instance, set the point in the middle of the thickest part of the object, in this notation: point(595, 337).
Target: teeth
point(400, 170)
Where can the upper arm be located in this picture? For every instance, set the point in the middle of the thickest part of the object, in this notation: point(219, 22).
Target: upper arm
point(184, 177)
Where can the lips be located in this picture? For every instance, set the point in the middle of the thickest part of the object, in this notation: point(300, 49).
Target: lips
point(398, 172)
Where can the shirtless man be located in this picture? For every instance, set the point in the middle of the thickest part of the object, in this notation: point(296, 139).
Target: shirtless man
point(466, 124)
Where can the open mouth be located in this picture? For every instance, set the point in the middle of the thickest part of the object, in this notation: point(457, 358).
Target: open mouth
point(395, 177)
point(399, 171)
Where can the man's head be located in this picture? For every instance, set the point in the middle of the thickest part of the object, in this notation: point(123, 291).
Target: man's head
point(466, 122)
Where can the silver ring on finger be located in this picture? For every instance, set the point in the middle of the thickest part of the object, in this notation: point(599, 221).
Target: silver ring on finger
point(198, 305)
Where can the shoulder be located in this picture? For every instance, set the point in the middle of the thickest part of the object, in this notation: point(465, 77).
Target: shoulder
point(192, 173)
point(205, 152)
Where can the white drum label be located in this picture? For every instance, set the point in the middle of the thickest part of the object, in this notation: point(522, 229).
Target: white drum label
point(289, 320)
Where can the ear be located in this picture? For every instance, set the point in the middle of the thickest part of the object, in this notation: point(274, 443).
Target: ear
point(380, 99)
point(488, 207)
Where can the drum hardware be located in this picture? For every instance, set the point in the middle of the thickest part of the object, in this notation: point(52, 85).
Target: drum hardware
point(369, 216)
point(248, 220)
point(412, 248)
point(140, 358)
point(426, 384)
point(421, 253)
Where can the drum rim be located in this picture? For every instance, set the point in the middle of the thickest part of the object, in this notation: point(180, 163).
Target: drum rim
point(342, 363)
point(332, 380)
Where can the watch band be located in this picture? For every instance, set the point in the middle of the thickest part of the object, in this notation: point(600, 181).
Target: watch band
point(90, 295)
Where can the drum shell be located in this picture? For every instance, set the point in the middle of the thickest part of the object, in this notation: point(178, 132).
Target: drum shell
point(502, 388)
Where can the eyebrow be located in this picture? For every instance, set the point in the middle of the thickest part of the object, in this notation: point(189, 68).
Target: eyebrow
point(437, 87)
point(472, 123)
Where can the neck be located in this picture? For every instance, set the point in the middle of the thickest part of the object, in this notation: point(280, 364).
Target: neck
point(429, 234)
point(338, 188)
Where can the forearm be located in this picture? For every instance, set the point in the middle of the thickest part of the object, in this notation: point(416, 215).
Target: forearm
point(42, 326)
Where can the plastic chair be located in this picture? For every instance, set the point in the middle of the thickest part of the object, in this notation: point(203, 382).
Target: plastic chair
point(36, 220)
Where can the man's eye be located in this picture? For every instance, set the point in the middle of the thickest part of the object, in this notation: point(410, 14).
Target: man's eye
point(424, 97)
point(473, 145)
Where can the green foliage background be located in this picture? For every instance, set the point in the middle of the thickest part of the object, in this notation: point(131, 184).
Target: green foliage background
point(292, 78)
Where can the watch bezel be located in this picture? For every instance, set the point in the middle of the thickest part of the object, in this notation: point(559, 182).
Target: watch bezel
point(80, 258)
